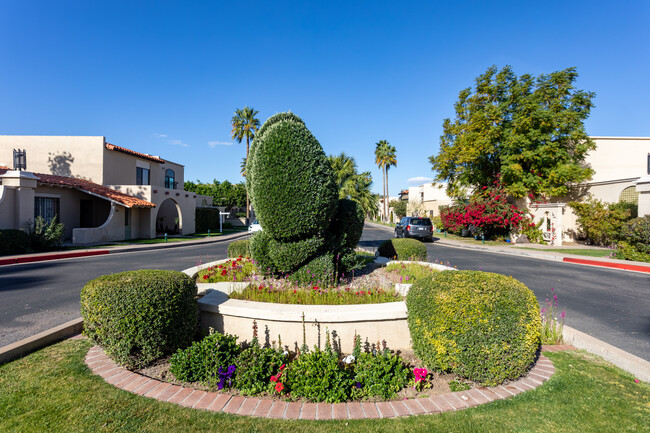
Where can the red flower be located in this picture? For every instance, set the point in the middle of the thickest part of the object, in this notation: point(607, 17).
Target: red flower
point(282, 367)
point(315, 287)
point(205, 277)
point(224, 272)
point(279, 387)
point(274, 379)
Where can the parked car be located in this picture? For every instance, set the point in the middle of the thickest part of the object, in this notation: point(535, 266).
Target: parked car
point(255, 227)
point(414, 227)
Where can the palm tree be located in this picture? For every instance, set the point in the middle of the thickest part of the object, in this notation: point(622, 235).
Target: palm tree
point(352, 185)
point(244, 124)
point(385, 158)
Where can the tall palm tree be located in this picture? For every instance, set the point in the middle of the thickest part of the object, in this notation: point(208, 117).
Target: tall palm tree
point(385, 158)
point(245, 124)
point(352, 185)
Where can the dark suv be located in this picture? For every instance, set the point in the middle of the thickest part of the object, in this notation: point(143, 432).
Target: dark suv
point(414, 227)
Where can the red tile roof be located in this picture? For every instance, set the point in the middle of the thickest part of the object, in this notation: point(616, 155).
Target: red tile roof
point(93, 189)
point(110, 146)
point(2, 167)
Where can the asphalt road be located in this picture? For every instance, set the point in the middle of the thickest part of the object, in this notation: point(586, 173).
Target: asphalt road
point(35, 297)
point(608, 304)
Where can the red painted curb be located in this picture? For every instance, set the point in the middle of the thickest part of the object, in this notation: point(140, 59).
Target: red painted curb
point(608, 265)
point(30, 259)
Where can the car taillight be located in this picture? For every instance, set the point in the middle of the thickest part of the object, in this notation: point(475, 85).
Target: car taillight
point(408, 227)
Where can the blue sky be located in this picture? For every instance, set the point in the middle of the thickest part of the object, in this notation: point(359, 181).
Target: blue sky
point(164, 77)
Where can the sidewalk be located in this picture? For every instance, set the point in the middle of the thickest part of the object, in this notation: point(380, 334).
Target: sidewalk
point(56, 255)
point(519, 250)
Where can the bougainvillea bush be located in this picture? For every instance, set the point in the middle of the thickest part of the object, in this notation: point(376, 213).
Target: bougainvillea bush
point(488, 211)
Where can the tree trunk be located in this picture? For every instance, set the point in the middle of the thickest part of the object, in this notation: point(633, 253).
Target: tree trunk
point(387, 197)
point(248, 203)
point(385, 189)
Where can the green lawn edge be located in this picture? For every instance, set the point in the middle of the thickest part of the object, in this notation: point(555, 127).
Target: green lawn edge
point(53, 390)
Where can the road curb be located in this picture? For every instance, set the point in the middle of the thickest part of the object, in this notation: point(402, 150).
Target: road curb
point(626, 361)
point(41, 258)
point(40, 340)
point(14, 260)
point(624, 266)
point(566, 258)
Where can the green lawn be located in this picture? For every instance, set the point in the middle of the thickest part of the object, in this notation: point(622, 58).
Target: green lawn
point(590, 252)
point(53, 390)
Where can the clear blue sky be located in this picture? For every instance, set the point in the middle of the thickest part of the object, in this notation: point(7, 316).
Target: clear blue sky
point(164, 77)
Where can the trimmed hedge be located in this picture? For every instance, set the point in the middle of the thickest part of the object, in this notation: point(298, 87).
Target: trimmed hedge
point(14, 242)
point(482, 326)
point(208, 219)
point(259, 248)
point(319, 271)
point(292, 185)
point(238, 248)
point(347, 224)
point(403, 249)
point(140, 316)
point(288, 256)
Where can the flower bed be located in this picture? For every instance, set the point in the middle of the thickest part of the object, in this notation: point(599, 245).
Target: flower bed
point(376, 322)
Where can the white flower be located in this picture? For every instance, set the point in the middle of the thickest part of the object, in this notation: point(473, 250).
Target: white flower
point(349, 359)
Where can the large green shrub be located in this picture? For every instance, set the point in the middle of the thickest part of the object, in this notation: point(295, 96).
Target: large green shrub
point(635, 243)
point(319, 271)
point(318, 376)
point(208, 219)
point(238, 248)
point(259, 249)
point(601, 222)
point(45, 236)
point(201, 361)
point(403, 249)
point(293, 189)
point(139, 316)
point(482, 326)
point(287, 256)
point(13, 242)
point(347, 224)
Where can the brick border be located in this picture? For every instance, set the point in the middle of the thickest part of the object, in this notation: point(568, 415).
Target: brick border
point(100, 364)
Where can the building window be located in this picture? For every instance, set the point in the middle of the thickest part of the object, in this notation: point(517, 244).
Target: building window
point(629, 195)
point(169, 179)
point(142, 176)
point(47, 208)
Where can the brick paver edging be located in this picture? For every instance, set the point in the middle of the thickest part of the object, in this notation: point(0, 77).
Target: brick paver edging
point(136, 383)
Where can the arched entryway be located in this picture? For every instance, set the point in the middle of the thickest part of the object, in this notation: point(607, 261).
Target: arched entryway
point(169, 218)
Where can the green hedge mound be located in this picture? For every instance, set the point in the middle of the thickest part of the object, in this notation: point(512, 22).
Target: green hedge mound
point(403, 249)
point(140, 316)
point(238, 248)
point(482, 326)
point(13, 242)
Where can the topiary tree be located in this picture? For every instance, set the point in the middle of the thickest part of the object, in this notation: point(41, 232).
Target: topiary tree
point(295, 197)
point(482, 326)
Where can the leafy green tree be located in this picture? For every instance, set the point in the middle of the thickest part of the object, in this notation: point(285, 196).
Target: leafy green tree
point(385, 158)
point(525, 132)
point(399, 207)
point(244, 125)
point(222, 193)
point(352, 185)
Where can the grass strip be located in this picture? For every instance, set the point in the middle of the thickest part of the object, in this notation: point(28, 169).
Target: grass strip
point(53, 390)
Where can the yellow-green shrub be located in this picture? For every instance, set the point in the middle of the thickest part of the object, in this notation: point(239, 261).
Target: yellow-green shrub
point(482, 326)
point(139, 316)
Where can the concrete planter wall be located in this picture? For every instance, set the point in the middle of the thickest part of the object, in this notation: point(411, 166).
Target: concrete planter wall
point(374, 322)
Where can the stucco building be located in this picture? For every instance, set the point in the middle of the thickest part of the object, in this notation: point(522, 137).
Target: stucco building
point(101, 192)
point(621, 173)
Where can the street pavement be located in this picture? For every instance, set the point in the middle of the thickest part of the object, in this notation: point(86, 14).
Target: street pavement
point(609, 304)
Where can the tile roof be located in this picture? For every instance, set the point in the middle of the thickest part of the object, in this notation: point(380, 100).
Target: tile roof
point(110, 146)
point(93, 189)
